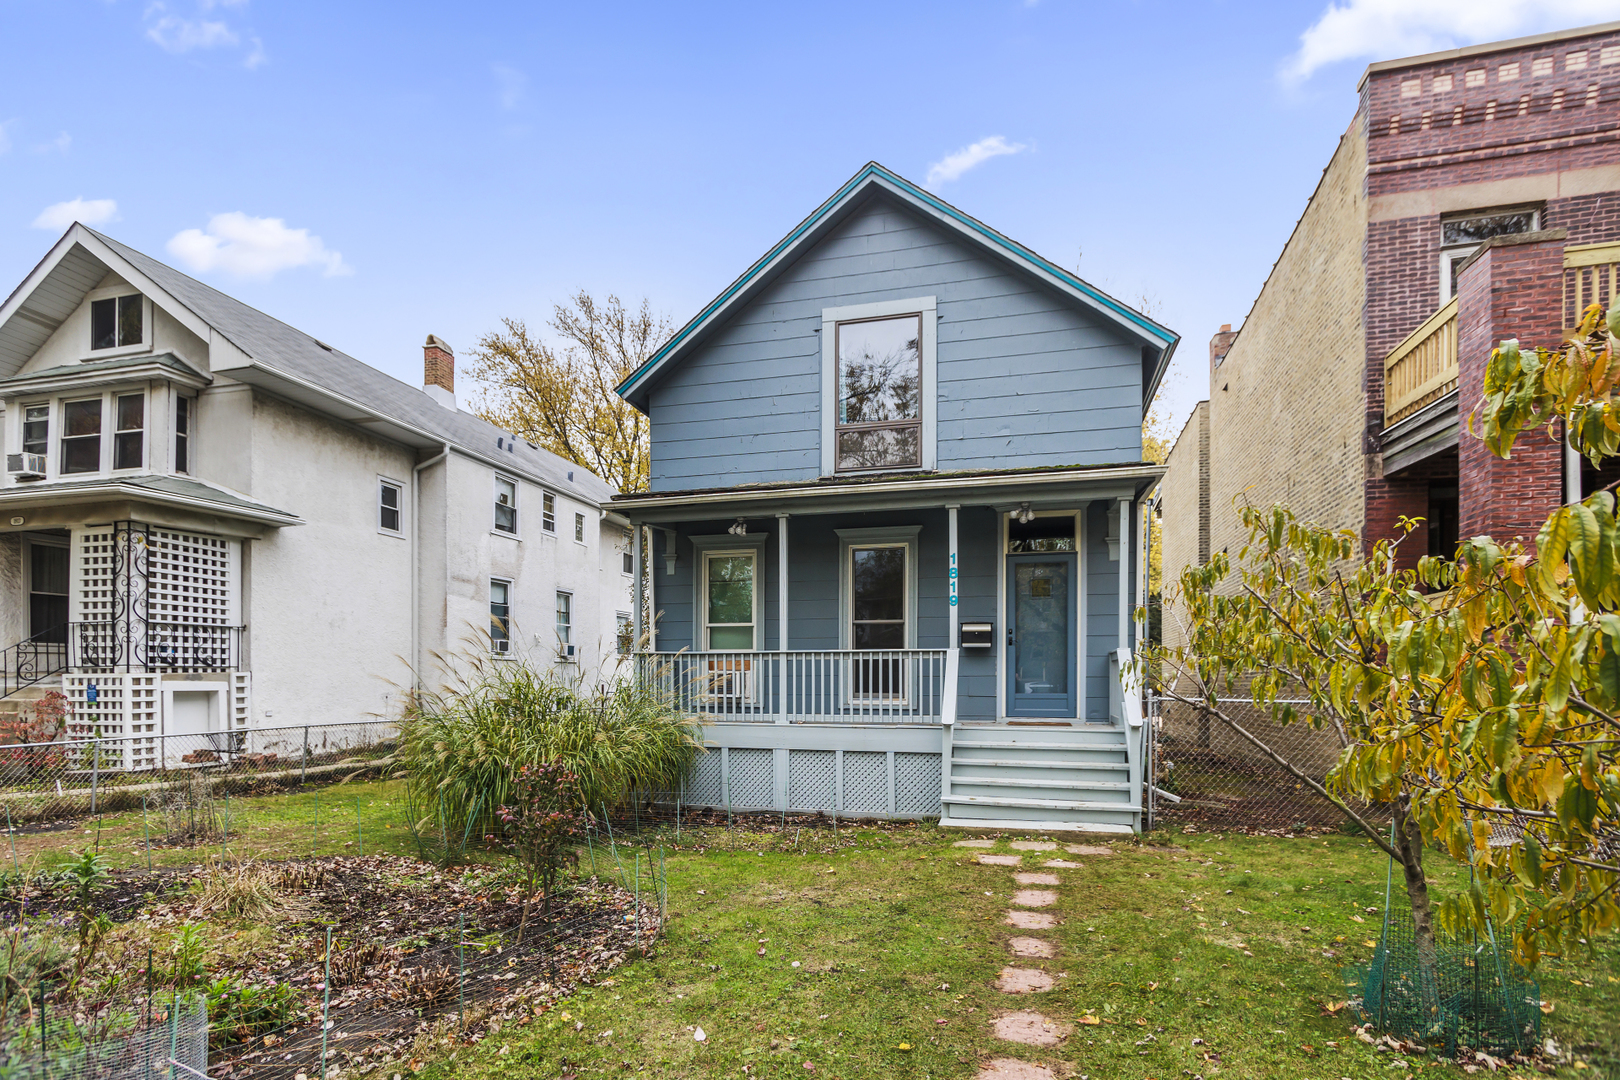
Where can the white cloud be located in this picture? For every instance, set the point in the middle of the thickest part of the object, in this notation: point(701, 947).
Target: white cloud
point(59, 216)
point(512, 83)
point(255, 56)
point(246, 246)
point(1390, 29)
point(954, 165)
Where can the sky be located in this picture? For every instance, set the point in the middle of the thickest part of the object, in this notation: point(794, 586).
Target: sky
point(373, 173)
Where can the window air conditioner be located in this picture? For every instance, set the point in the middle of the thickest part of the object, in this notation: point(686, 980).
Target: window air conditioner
point(26, 466)
point(565, 652)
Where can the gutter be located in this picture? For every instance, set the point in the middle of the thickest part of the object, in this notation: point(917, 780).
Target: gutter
point(114, 489)
point(416, 560)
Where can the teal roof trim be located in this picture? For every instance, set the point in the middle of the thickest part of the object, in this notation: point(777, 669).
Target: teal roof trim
point(1162, 334)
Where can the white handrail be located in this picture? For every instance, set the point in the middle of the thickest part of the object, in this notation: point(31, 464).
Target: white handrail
point(893, 686)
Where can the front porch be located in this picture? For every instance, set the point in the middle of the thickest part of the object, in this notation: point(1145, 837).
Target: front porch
point(905, 646)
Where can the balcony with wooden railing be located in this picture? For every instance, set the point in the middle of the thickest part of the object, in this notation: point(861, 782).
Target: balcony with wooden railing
point(1422, 369)
point(1591, 276)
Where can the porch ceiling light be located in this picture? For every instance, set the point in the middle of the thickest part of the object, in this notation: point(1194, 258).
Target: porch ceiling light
point(739, 529)
point(1024, 515)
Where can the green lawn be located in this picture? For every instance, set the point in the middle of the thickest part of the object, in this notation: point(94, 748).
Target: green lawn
point(898, 938)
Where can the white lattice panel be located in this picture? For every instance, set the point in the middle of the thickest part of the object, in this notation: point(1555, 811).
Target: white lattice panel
point(866, 782)
point(916, 784)
point(810, 779)
point(125, 713)
point(92, 573)
point(753, 779)
point(241, 704)
point(703, 786)
point(192, 578)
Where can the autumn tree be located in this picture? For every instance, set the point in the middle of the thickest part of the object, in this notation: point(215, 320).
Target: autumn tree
point(562, 396)
point(1478, 697)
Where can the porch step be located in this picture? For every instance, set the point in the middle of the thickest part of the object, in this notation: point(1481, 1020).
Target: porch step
point(1012, 769)
point(968, 811)
point(1039, 778)
point(1035, 825)
point(1102, 791)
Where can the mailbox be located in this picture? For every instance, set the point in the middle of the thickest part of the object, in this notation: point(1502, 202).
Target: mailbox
point(978, 635)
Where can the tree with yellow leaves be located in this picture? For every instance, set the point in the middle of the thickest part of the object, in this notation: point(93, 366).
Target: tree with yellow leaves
point(562, 398)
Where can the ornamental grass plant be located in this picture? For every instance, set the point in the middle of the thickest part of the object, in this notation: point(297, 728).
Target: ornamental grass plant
point(463, 746)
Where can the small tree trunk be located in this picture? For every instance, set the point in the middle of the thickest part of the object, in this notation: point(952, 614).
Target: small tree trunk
point(1409, 846)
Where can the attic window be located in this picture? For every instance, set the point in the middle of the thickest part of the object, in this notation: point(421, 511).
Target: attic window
point(116, 322)
point(880, 393)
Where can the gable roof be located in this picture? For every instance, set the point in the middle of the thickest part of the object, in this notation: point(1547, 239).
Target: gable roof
point(268, 353)
point(1158, 339)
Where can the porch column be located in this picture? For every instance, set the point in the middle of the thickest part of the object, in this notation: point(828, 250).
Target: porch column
point(1125, 573)
point(781, 583)
point(639, 564)
point(950, 642)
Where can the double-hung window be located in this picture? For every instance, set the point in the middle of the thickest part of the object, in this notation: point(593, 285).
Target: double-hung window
point(879, 393)
point(388, 506)
point(877, 618)
point(579, 528)
point(626, 634)
point(506, 510)
point(183, 407)
point(728, 599)
point(129, 440)
point(548, 512)
point(81, 436)
point(1461, 235)
point(500, 616)
point(36, 432)
point(565, 622)
point(117, 321)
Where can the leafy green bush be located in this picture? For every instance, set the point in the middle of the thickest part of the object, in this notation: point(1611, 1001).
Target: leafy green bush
point(462, 748)
point(238, 1012)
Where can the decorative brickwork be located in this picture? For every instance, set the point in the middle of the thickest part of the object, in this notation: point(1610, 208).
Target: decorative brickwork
point(1508, 290)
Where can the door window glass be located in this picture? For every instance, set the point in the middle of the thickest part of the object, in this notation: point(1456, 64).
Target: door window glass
point(1040, 534)
point(1041, 628)
point(729, 600)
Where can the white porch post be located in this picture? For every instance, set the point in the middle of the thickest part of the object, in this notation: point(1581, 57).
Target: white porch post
point(951, 642)
point(1125, 573)
point(784, 680)
point(640, 564)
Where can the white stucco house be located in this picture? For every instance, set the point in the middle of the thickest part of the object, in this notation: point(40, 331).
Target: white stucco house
point(211, 521)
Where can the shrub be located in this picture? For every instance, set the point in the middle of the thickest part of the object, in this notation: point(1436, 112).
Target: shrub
point(543, 825)
point(463, 748)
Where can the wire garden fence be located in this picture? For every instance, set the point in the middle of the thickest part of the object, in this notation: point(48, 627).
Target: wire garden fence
point(1206, 775)
point(163, 1037)
point(72, 778)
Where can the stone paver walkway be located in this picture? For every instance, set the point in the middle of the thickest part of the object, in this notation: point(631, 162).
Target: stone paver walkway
point(1027, 1027)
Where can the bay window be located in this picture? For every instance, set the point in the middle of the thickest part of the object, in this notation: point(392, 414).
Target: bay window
point(129, 439)
point(81, 436)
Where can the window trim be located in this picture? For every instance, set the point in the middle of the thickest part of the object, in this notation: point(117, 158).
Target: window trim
point(113, 292)
point(725, 544)
point(114, 397)
point(557, 626)
point(50, 426)
point(548, 512)
point(399, 508)
point(926, 308)
point(906, 536)
point(1454, 253)
point(622, 621)
point(103, 455)
point(516, 532)
point(507, 653)
point(579, 529)
point(190, 435)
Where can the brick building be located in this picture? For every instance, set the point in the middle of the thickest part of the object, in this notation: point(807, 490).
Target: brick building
point(1474, 197)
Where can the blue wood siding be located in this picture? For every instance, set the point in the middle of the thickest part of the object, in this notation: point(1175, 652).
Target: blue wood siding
point(1102, 610)
point(813, 602)
point(1025, 378)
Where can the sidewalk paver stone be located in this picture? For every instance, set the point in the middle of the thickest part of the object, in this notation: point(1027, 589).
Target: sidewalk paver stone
point(1013, 1069)
point(1034, 897)
point(1023, 981)
point(1036, 879)
point(1063, 864)
point(1030, 1028)
point(1031, 920)
point(1029, 946)
point(974, 843)
point(1033, 845)
point(1001, 860)
point(1086, 849)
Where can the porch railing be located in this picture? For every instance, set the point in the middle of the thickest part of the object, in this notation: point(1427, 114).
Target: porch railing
point(1591, 276)
point(111, 646)
point(1422, 369)
point(900, 686)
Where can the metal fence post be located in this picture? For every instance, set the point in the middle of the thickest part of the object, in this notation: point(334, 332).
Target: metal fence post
point(461, 976)
point(326, 1000)
point(303, 766)
point(95, 772)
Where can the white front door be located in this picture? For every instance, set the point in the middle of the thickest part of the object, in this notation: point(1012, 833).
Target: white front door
point(193, 713)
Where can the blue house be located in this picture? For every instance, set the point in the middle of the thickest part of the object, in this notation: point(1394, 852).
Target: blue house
point(895, 544)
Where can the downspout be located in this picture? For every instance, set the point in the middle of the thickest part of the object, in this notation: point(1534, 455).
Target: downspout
point(416, 561)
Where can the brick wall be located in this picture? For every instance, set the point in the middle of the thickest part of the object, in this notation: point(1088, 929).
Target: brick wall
point(1286, 408)
point(1184, 508)
point(1507, 290)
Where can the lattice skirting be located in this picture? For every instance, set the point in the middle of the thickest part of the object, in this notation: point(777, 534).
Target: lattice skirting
point(127, 710)
point(854, 783)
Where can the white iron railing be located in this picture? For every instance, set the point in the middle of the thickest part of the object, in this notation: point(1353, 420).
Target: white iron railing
point(876, 686)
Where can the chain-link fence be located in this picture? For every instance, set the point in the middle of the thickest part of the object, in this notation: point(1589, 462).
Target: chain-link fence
point(48, 781)
point(1208, 775)
point(158, 1037)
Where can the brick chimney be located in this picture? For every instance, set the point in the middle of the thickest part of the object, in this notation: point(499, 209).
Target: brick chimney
point(439, 371)
point(1219, 346)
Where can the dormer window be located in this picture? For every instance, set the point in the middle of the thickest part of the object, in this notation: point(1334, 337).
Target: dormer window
point(117, 321)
